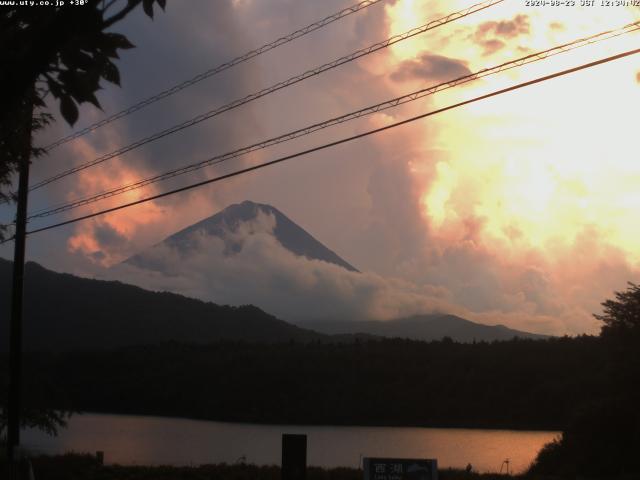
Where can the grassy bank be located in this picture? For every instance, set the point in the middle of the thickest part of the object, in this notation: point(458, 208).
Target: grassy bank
point(86, 467)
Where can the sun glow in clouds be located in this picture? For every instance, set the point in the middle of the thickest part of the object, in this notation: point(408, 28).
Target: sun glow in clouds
point(542, 167)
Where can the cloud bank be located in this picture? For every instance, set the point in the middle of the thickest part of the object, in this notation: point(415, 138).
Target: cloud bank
point(500, 212)
point(266, 274)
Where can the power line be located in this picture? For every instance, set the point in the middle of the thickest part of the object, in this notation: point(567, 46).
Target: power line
point(278, 86)
point(6, 240)
point(213, 71)
point(343, 140)
point(341, 119)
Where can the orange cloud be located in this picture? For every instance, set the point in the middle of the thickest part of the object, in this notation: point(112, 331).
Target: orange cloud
point(529, 202)
point(492, 35)
point(110, 238)
point(522, 207)
point(106, 239)
point(519, 25)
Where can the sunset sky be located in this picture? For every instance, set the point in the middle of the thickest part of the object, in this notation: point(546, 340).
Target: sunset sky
point(517, 210)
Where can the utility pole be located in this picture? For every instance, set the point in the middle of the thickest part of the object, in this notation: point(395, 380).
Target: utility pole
point(14, 404)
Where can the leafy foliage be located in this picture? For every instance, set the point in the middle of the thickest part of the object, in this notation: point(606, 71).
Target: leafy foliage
point(622, 316)
point(67, 49)
point(36, 408)
point(514, 384)
point(521, 383)
point(603, 436)
point(601, 441)
point(61, 51)
point(65, 52)
point(47, 420)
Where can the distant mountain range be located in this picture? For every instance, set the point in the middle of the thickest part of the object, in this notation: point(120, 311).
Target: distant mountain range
point(65, 312)
point(423, 327)
point(226, 223)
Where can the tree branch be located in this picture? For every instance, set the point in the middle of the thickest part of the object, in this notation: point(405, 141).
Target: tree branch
point(108, 5)
point(121, 14)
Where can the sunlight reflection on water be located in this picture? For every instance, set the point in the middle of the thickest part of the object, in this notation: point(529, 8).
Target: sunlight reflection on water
point(131, 440)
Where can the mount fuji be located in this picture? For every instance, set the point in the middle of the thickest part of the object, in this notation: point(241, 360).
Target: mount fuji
point(225, 225)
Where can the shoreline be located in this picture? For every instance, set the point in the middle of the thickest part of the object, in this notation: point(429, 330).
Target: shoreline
point(85, 467)
point(206, 442)
point(320, 425)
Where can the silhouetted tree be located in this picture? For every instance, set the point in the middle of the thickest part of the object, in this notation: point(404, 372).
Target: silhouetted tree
point(621, 336)
point(621, 316)
point(603, 437)
point(46, 419)
point(65, 51)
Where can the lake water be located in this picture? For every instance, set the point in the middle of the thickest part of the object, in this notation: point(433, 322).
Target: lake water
point(131, 440)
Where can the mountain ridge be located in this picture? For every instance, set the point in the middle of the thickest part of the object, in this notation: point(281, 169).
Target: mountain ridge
point(427, 327)
point(65, 312)
point(227, 221)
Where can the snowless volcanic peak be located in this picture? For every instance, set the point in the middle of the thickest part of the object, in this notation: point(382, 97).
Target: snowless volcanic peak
point(226, 224)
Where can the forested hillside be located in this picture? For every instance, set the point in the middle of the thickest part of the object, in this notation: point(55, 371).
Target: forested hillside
point(65, 312)
point(515, 384)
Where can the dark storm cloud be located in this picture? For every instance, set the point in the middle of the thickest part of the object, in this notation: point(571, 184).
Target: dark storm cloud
point(213, 37)
point(109, 237)
point(363, 198)
point(491, 35)
point(179, 44)
point(98, 256)
point(166, 53)
point(436, 68)
point(504, 28)
point(492, 46)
